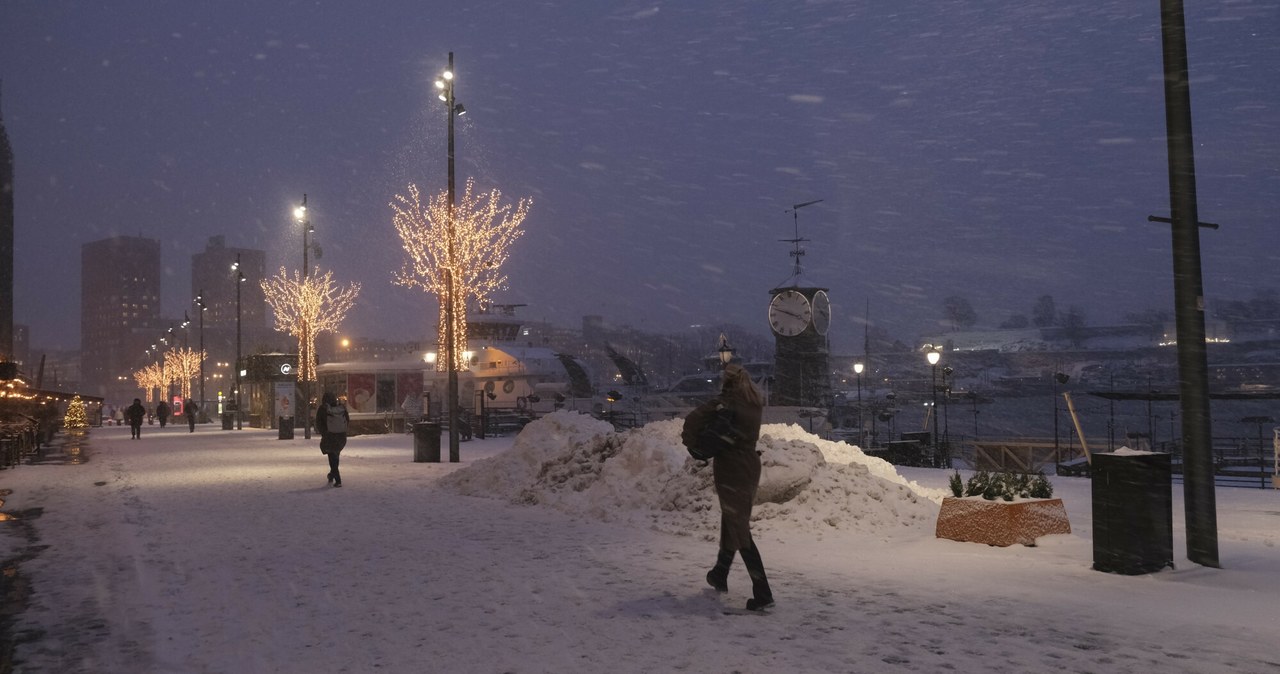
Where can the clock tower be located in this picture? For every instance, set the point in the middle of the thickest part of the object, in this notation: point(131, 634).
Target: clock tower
point(800, 318)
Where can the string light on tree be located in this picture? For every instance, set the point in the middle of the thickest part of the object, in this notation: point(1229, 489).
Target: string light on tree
point(306, 307)
point(484, 229)
point(182, 365)
point(151, 378)
point(75, 416)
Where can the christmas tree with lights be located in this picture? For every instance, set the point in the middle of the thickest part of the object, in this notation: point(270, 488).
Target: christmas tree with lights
point(75, 418)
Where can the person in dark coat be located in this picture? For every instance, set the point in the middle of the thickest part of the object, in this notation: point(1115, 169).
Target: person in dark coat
point(162, 413)
point(332, 439)
point(135, 413)
point(736, 472)
point(189, 411)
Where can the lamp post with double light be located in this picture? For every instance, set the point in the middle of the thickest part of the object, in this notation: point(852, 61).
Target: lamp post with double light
point(235, 267)
point(199, 302)
point(304, 357)
point(445, 86)
point(933, 356)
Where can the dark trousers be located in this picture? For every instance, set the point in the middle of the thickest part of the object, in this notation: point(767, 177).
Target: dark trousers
point(135, 429)
point(191, 422)
point(333, 467)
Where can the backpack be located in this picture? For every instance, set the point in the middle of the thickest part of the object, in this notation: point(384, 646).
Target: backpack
point(716, 434)
point(335, 420)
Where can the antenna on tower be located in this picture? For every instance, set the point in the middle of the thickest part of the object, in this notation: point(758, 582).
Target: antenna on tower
point(797, 252)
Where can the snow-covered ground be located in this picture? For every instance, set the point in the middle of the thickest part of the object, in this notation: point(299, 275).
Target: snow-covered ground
point(574, 549)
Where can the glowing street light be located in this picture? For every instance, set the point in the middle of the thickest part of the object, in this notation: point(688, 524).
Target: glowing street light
point(933, 356)
point(235, 267)
point(445, 85)
point(858, 367)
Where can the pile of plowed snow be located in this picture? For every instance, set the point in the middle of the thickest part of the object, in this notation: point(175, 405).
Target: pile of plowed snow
point(581, 465)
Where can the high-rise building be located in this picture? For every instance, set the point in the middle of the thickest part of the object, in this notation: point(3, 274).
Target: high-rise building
point(119, 312)
point(214, 281)
point(6, 245)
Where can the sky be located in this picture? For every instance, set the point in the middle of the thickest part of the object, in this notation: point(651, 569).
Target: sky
point(995, 151)
point(574, 549)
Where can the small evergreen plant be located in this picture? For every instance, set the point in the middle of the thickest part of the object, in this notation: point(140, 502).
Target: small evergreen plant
point(1002, 486)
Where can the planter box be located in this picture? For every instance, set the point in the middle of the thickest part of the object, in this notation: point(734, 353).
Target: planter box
point(1001, 523)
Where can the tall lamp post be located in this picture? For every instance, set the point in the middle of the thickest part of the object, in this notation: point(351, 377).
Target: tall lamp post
point(239, 280)
point(445, 85)
point(857, 370)
point(946, 407)
point(300, 214)
point(199, 302)
point(933, 356)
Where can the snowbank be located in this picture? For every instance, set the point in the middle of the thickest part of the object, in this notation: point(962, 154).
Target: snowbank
point(580, 465)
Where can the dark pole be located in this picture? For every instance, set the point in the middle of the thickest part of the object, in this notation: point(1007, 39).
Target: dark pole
point(239, 280)
point(304, 354)
point(449, 318)
point(934, 410)
point(1193, 370)
point(946, 417)
point(861, 430)
point(200, 304)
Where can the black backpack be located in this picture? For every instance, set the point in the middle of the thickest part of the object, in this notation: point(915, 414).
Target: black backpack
point(717, 434)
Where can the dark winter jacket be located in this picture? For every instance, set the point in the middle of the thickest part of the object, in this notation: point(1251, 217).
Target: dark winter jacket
point(162, 410)
point(736, 470)
point(330, 442)
point(136, 413)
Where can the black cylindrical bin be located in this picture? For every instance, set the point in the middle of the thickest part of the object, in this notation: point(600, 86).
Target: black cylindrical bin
point(1132, 513)
point(426, 442)
point(228, 421)
point(286, 428)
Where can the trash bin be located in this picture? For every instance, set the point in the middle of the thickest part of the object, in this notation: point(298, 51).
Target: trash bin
point(286, 428)
point(1132, 512)
point(426, 442)
point(228, 421)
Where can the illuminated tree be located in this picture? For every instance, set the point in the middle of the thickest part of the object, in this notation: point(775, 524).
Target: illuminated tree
point(150, 379)
point(182, 365)
point(75, 416)
point(306, 307)
point(484, 229)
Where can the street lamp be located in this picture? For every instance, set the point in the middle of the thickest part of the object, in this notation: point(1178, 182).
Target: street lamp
point(933, 356)
point(445, 84)
point(725, 351)
point(858, 367)
point(199, 302)
point(304, 355)
point(946, 406)
point(239, 280)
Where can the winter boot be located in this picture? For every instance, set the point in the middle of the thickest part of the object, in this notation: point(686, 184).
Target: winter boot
point(718, 576)
point(762, 596)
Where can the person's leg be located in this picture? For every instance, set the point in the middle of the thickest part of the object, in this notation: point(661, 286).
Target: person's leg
point(762, 596)
point(333, 469)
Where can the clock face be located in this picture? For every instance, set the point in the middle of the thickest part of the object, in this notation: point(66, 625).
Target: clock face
point(789, 313)
point(821, 312)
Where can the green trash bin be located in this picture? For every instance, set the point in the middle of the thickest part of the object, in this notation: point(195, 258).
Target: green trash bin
point(426, 442)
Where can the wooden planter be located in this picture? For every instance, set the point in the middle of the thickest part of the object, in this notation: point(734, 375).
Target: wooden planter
point(1001, 523)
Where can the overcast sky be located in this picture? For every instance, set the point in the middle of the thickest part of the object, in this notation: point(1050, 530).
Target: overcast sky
point(998, 151)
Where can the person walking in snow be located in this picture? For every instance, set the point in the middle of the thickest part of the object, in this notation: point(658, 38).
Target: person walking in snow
point(136, 413)
point(736, 472)
point(189, 411)
point(332, 420)
point(162, 413)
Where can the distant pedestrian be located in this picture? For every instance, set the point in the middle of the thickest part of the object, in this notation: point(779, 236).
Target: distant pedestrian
point(136, 413)
point(736, 474)
point(162, 413)
point(189, 411)
point(332, 420)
